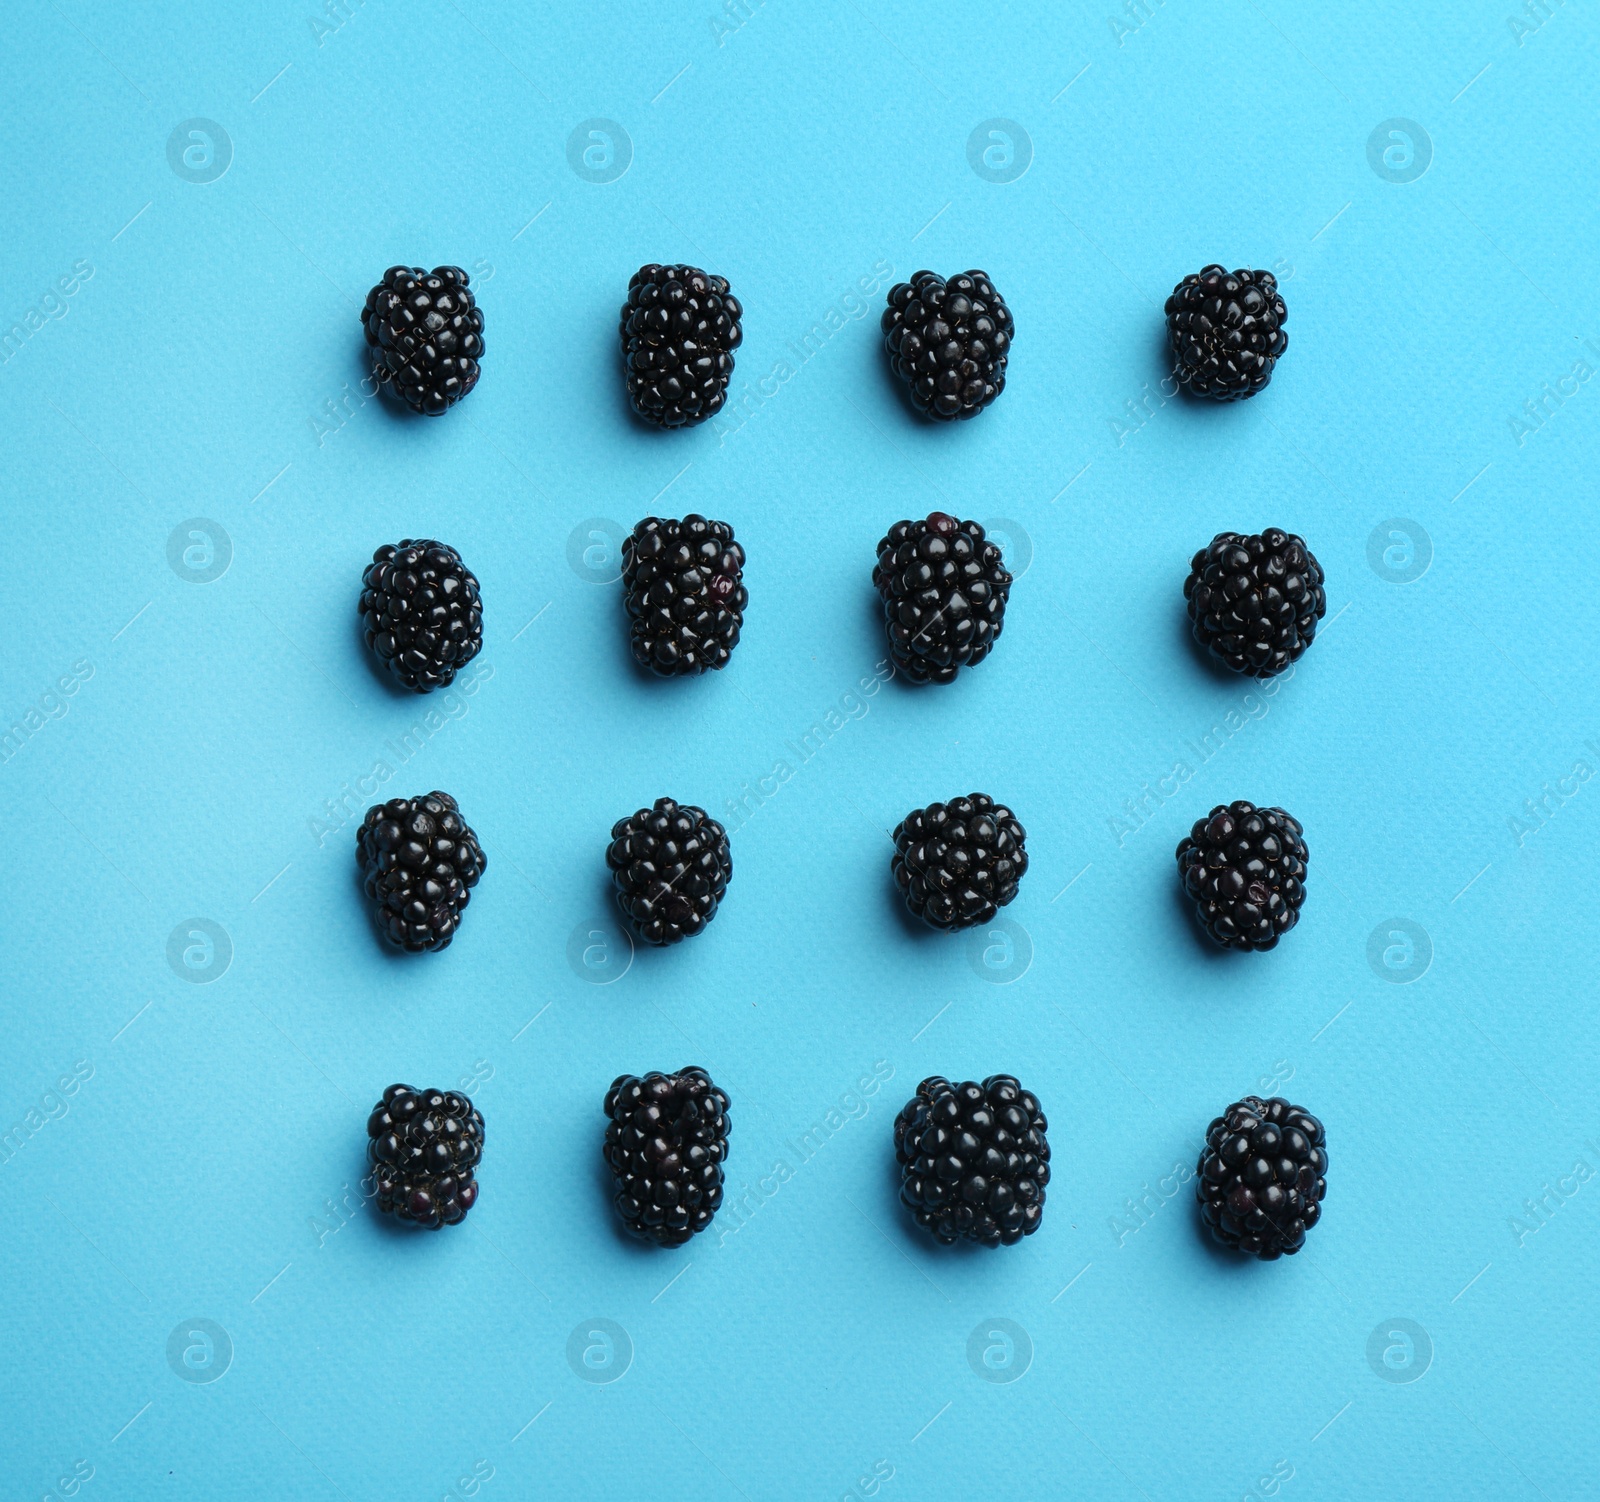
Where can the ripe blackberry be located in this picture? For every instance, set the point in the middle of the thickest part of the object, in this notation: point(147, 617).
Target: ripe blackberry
point(685, 594)
point(944, 588)
point(421, 612)
point(1261, 1176)
point(420, 862)
point(671, 865)
point(1255, 601)
point(680, 328)
point(424, 1146)
point(1226, 332)
point(956, 862)
point(1245, 868)
point(948, 342)
point(426, 335)
point(666, 1141)
point(974, 1160)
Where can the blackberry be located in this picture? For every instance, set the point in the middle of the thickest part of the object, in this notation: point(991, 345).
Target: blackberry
point(680, 328)
point(944, 588)
point(685, 594)
point(419, 861)
point(666, 1141)
point(426, 335)
point(956, 863)
point(1245, 868)
point(671, 865)
point(948, 342)
point(421, 612)
point(1261, 1176)
point(424, 1147)
point(1255, 601)
point(1226, 332)
point(974, 1160)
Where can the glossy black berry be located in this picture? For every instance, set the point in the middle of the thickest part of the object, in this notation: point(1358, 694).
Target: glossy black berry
point(685, 594)
point(421, 613)
point(670, 865)
point(425, 331)
point(974, 1160)
point(948, 342)
point(680, 327)
point(1262, 1176)
point(424, 1147)
point(944, 589)
point(666, 1142)
point(1226, 332)
point(419, 861)
point(1255, 601)
point(957, 862)
point(1245, 868)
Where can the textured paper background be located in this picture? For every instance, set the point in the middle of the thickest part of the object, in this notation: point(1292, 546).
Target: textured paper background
point(195, 401)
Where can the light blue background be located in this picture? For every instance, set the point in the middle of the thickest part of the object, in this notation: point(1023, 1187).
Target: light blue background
point(190, 377)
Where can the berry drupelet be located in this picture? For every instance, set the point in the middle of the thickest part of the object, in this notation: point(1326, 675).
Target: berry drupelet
point(957, 862)
point(425, 331)
point(1255, 601)
point(685, 594)
point(419, 861)
point(1226, 332)
point(671, 865)
point(421, 612)
point(666, 1142)
point(680, 328)
point(974, 1160)
point(1262, 1176)
point(1245, 869)
point(944, 589)
point(948, 341)
point(424, 1147)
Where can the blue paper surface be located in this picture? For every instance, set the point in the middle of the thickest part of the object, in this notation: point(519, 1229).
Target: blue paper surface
point(199, 1016)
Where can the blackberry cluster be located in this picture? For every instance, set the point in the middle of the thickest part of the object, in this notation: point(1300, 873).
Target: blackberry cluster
point(419, 861)
point(1245, 868)
point(956, 863)
point(944, 588)
point(424, 1147)
point(671, 865)
point(426, 335)
point(948, 342)
point(1255, 601)
point(421, 612)
point(1261, 1177)
point(685, 594)
point(974, 1160)
point(666, 1141)
point(1226, 332)
point(680, 328)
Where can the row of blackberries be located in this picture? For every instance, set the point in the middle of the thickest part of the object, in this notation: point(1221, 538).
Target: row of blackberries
point(974, 1161)
point(948, 341)
point(1254, 601)
point(955, 864)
